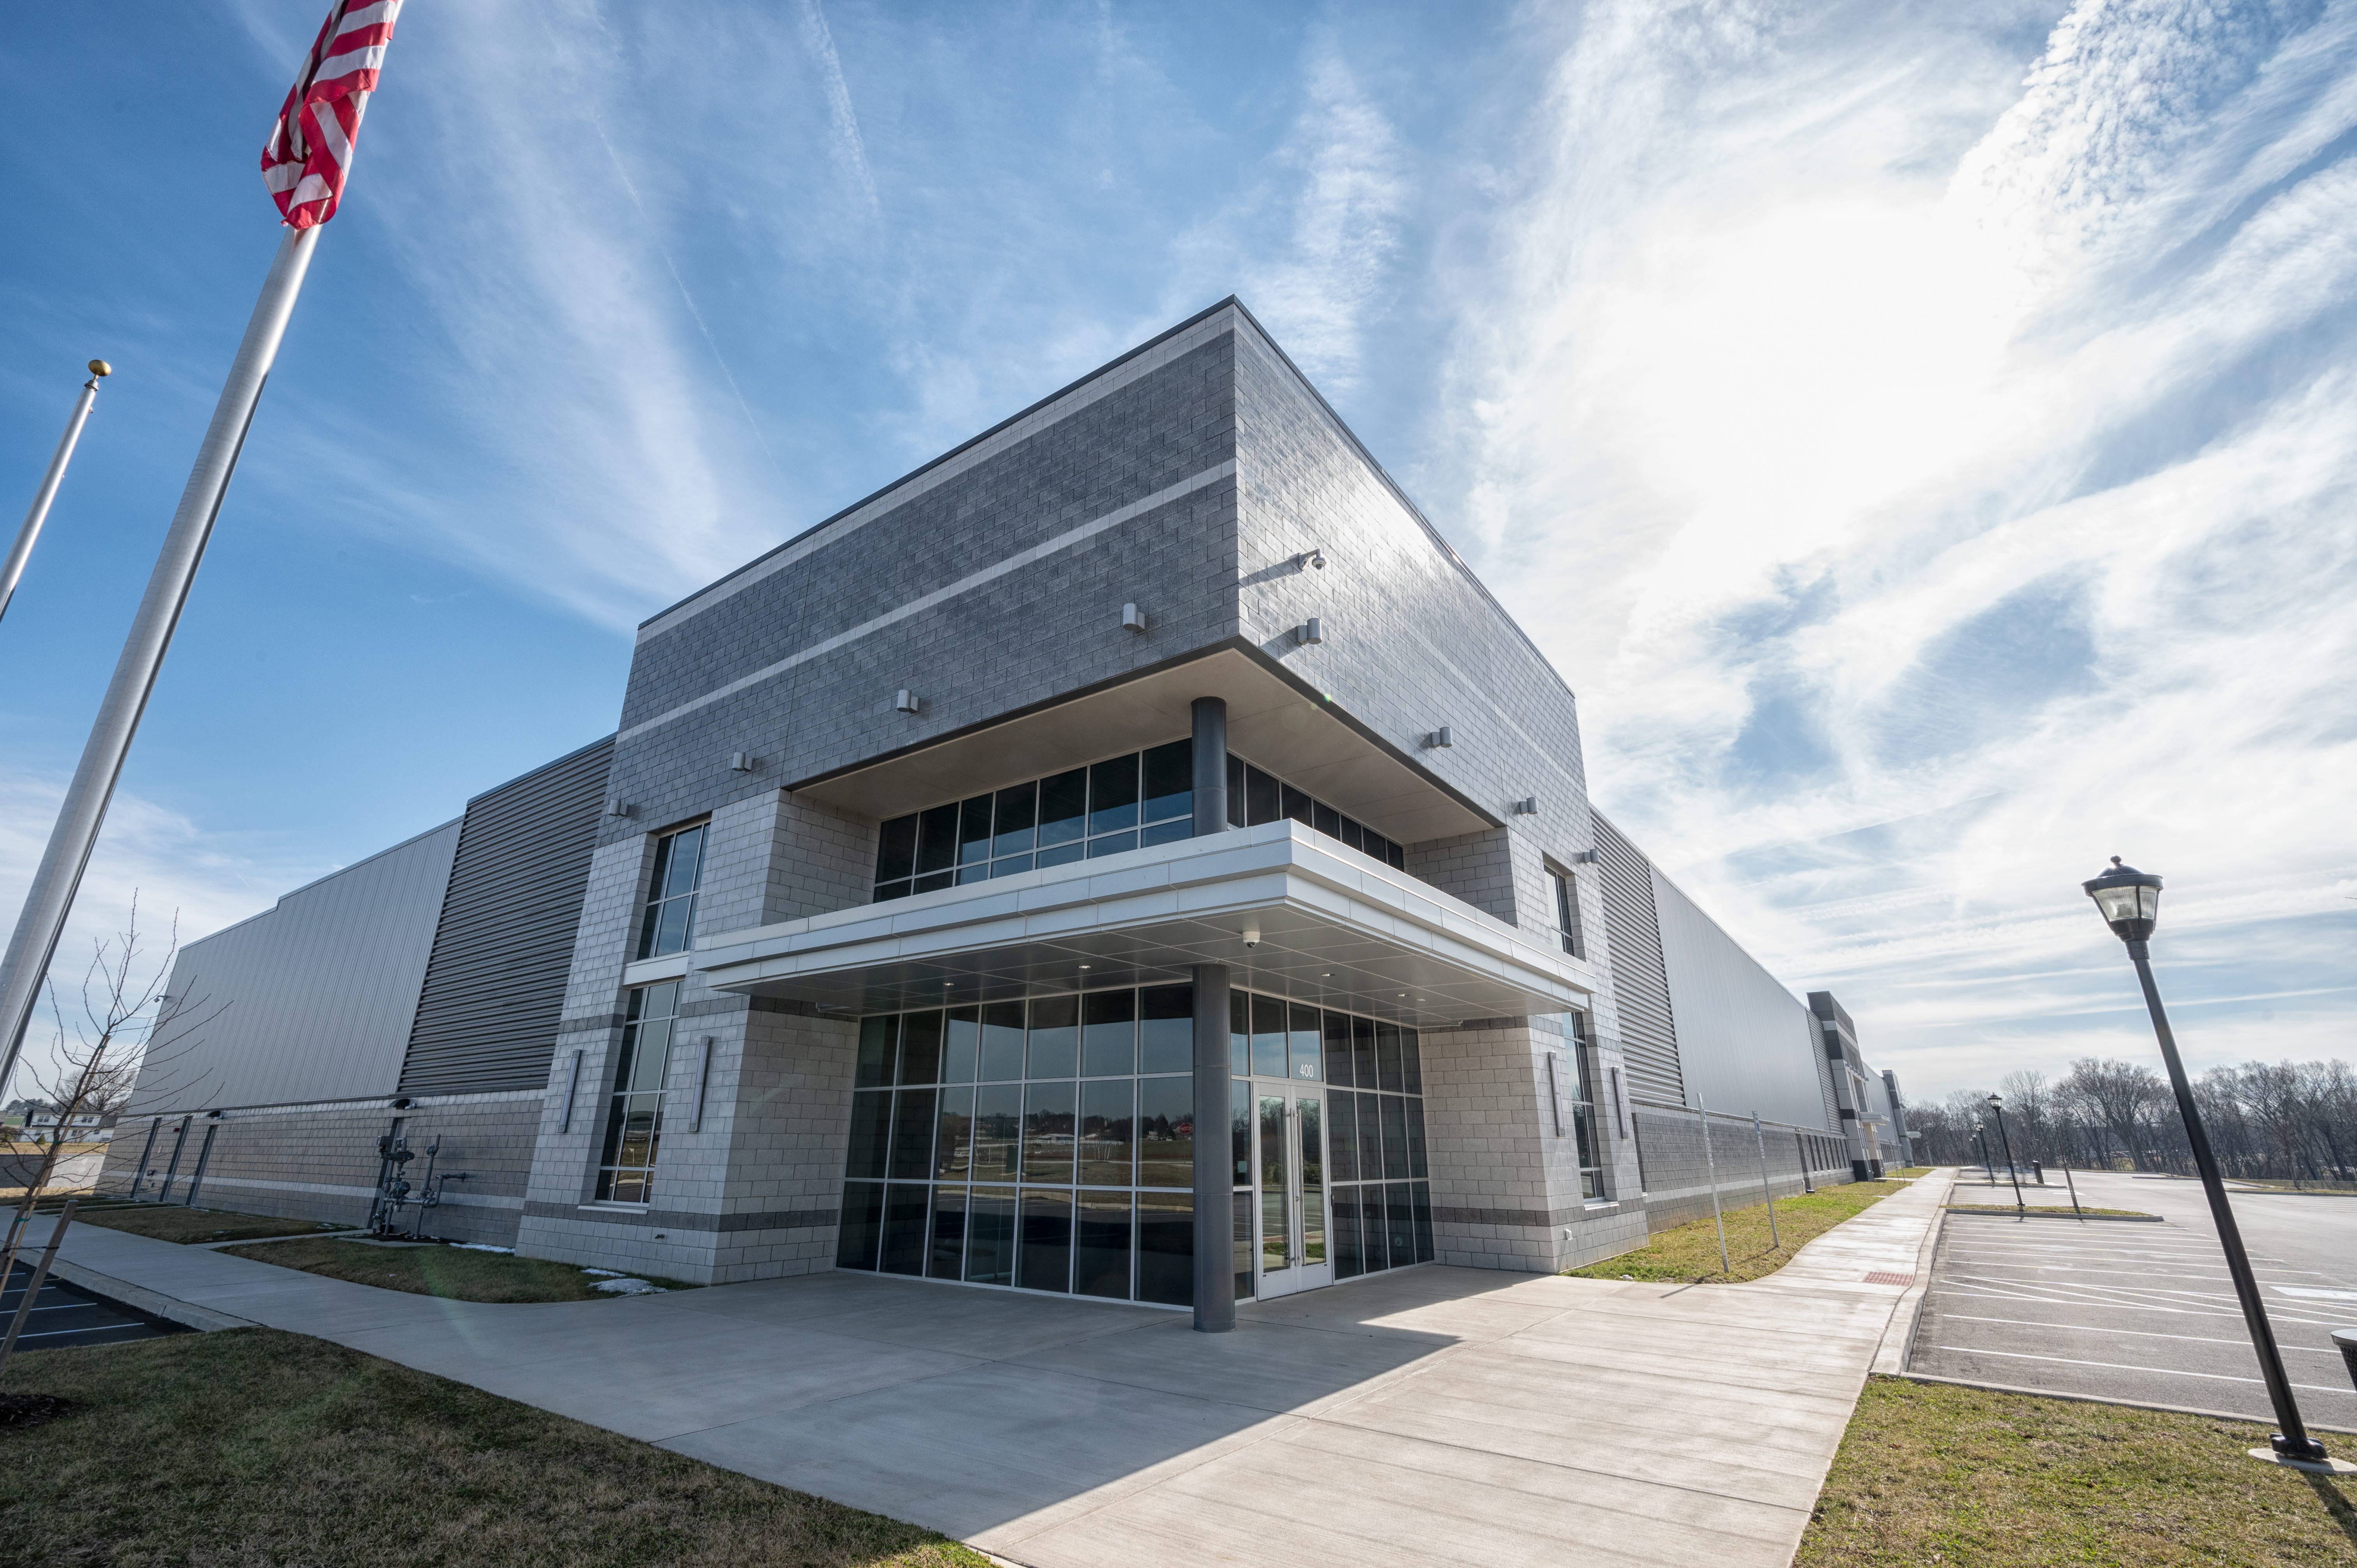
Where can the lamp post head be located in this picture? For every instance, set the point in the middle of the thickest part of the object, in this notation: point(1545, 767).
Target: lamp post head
point(1996, 1103)
point(2128, 900)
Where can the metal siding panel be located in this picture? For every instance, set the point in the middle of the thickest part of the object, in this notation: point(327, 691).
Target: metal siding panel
point(1640, 984)
point(494, 990)
point(1745, 1043)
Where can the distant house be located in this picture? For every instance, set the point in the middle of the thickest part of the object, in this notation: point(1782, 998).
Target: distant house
point(81, 1127)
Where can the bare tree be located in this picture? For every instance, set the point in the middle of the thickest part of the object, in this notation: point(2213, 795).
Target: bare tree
point(2030, 1108)
point(2123, 1098)
point(128, 1028)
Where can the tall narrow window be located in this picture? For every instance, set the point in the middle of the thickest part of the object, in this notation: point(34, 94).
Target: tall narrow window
point(634, 1129)
point(670, 924)
point(1582, 1095)
point(1567, 910)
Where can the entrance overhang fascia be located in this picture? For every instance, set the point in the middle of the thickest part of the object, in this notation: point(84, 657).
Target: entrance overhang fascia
point(1334, 926)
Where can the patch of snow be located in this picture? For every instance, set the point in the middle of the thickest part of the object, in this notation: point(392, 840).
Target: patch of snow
point(605, 1273)
point(629, 1287)
point(483, 1247)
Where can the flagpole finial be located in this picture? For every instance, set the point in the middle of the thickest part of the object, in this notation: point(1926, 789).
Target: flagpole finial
point(101, 368)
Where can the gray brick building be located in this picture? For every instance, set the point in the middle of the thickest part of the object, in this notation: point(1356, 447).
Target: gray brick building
point(1131, 856)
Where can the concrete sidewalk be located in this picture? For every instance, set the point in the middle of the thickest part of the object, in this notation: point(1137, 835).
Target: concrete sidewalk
point(1432, 1415)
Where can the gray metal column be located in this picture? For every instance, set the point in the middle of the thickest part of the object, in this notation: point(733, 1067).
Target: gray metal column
point(1210, 767)
point(1215, 1273)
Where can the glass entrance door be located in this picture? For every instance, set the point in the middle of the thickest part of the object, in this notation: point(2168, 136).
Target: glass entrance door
point(1289, 1188)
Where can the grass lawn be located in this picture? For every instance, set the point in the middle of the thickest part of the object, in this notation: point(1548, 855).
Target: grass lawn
point(253, 1447)
point(170, 1222)
point(1934, 1475)
point(1913, 1171)
point(453, 1271)
point(1690, 1252)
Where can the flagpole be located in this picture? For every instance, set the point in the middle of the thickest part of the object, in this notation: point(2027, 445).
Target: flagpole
point(22, 551)
point(50, 898)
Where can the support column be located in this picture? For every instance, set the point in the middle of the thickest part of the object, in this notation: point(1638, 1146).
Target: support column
point(1215, 1273)
point(1210, 766)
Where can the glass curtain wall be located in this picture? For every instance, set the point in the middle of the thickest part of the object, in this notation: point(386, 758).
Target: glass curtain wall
point(626, 1173)
point(1132, 802)
point(670, 920)
point(1579, 1091)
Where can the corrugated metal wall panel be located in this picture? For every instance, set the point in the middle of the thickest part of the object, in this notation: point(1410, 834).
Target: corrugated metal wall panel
point(1745, 1043)
point(1641, 985)
point(495, 987)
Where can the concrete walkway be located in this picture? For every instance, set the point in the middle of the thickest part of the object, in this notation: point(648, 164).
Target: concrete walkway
point(1430, 1416)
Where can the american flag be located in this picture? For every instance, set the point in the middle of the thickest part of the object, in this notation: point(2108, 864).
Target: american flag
point(310, 149)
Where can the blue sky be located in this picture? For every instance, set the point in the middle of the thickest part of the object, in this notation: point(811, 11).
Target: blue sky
point(1922, 435)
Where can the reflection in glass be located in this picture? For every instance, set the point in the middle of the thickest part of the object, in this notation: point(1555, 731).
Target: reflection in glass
point(1395, 1160)
point(1046, 1245)
point(1338, 1048)
point(1048, 1133)
point(997, 1130)
point(936, 839)
point(1362, 1052)
point(1101, 1245)
point(946, 1258)
point(1387, 1056)
point(1165, 1248)
point(1170, 781)
point(973, 831)
point(1002, 1041)
point(1276, 1212)
point(990, 1236)
point(1348, 1263)
point(912, 1136)
point(1238, 1034)
point(1344, 1109)
point(1302, 1043)
point(1313, 1181)
point(907, 1209)
point(953, 1140)
point(1267, 1038)
point(878, 1046)
point(871, 1127)
point(1399, 1210)
point(1055, 1050)
point(1166, 1131)
point(962, 1048)
point(863, 1225)
point(1109, 1033)
point(1240, 1129)
point(1112, 794)
point(1107, 1108)
point(1017, 813)
point(1063, 807)
point(1371, 1138)
point(920, 1047)
point(1166, 1030)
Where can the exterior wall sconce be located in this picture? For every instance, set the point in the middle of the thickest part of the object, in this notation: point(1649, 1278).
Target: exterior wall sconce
point(1131, 618)
point(1438, 739)
point(744, 762)
point(1528, 806)
point(617, 807)
point(905, 701)
point(1583, 857)
point(1307, 632)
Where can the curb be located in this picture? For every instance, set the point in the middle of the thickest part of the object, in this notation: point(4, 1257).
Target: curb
point(2059, 1214)
point(139, 1298)
point(1899, 1335)
point(2091, 1398)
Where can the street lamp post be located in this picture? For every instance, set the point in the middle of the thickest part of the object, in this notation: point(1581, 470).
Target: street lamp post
point(2130, 902)
point(1980, 1130)
point(1997, 1103)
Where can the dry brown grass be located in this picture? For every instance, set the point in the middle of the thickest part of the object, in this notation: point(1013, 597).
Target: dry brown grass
point(254, 1446)
point(171, 1222)
point(1934, 1475)
point(454, 1273)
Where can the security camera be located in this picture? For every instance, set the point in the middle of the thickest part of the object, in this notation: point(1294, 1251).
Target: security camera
point(1252, 936)
point(1315, 557)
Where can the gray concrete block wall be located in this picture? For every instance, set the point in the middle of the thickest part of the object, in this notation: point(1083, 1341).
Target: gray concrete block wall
point(1505, 1183)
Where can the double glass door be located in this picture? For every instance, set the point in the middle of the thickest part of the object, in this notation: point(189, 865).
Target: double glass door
point(1289, 1188)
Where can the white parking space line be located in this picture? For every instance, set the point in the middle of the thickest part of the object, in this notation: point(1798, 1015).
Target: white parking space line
point(2131, 1366)
point(2120, 1298)
point(2137, 1333)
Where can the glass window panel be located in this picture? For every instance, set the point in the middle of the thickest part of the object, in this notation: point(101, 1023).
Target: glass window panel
point(912, 1136)
point(1108, 1034)
point(990, 1236)
point(684, 872)
point(891, 890)
point(871, 1129)
point(1063, 807)
point(1302, 1043)
point(1170, 831)
point(896, 848)
point(962, 1050)
point(1166, 1030)
point(1371, 1137)
point(907, 1210)
point(1047, 1132)
point(997, 1130)
point(671, 927)
point(1101, 1246)
point(1325, 819)
point(1107, 1131)
point(1394, 855)
point(1338, 1047)
point(1412, 1060)
point(1267, 1038)
point(1371, 1228)
point(1047, 1242)
point(946, 1257)
point(626, 1187)
point(1010, 866)
point(1362, 1052)
point(978, 872)
point(1240, 1242)
point(648, 1055)
point(1420, 1196)
point(1415, 1138)
point(937, 839)
point(1170, 781)
point(1387, 1056)
point(1352, 834)
point(1344, 1110)
point(1063, 854)
point(1018, 814)
point(1580, 1129)
point(1238, 1033)
point(920, 1047)
point(1275, 1207)
point(1111, 843)
point(1240, 1129)
point(1296, 805)
point(953, 1135)
point(1002, 1041)
point(1166, 1131)
point(1394, 1113)
point(1165, 1248)
point(862, 1227)
point(1309, 1118)
point(1348, 1260)
point(1055, 1050)
point(973, 829)
point(1399, 1211)
point(932, 883)
point(1235, 791)
point(1264, 798)
point(1112, 794)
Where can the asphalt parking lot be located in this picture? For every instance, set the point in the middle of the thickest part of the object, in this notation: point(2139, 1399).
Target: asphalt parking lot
point(2144, 1312)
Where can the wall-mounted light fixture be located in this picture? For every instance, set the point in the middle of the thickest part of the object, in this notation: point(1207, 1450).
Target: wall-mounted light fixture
point(905, 701)
point(1528, 806)
point(617, 807)
point(744, 762)
point(1131, 618)
point(1583, 857)
point(1438, 739)
point(1309, 632)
